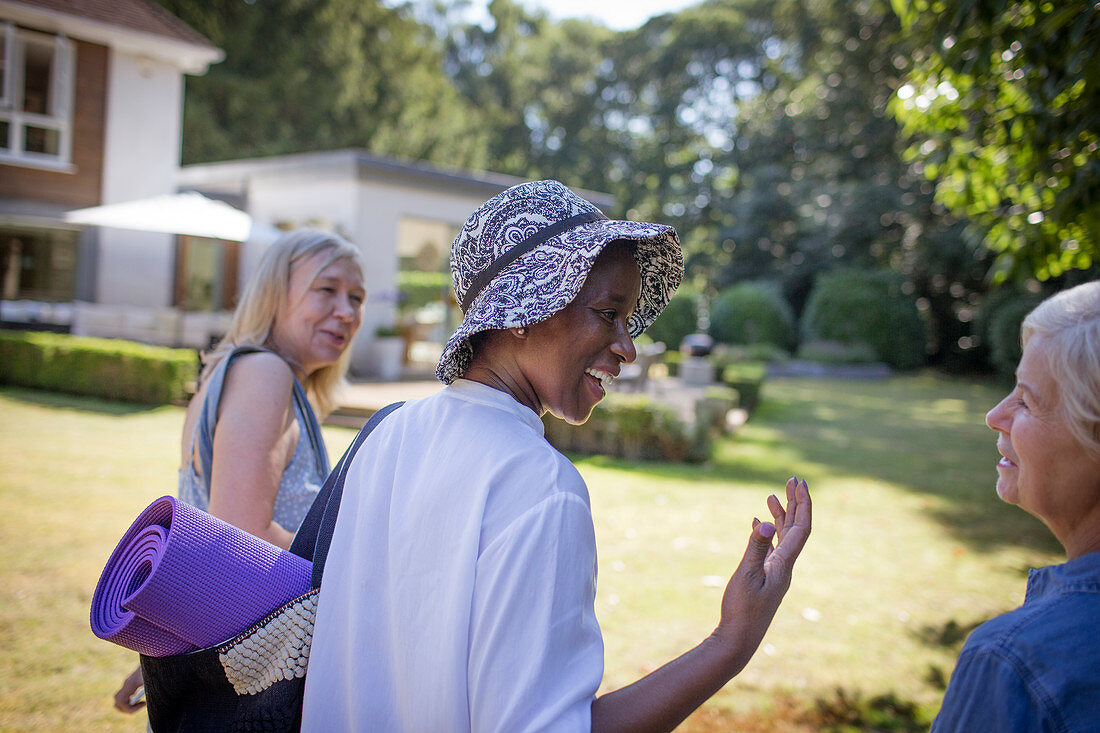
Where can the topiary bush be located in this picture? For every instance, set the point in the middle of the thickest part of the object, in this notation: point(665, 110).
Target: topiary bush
point(672, 359)
point(109, 368)
point(679, 319)
point(634, 427)
point(752, 313)
point(747, 378)
point(868, 307)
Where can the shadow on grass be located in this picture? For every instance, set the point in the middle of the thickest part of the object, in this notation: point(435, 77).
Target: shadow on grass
point(922, 433)
point(925, 434)
point(842, 710)
point(75, 402)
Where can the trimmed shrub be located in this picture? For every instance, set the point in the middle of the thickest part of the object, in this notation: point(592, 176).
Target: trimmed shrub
point(109, 368)
point(747, 379)
point(678, 319)
point(752, 313)
point(712, 408)
point(866, 307)
point(633, 427)
point(672, 359)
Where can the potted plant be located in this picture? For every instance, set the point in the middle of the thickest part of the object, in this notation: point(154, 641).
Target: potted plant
point(387, 353)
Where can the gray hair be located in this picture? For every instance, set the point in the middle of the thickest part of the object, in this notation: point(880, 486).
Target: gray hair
point(1070, 322)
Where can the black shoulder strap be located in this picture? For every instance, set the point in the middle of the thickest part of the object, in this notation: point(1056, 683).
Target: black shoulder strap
point(315, 534)
point(208, 416)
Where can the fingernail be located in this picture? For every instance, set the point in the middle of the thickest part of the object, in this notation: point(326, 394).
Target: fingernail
point(767, 530)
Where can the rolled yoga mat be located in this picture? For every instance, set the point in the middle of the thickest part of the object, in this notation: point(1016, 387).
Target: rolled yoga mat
point(181, 580)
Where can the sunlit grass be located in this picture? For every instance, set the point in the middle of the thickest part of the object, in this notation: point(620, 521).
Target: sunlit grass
point(73, 474)
point(908, 538)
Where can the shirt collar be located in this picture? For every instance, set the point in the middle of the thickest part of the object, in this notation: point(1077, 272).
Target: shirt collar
point(1082, 574)
point(483, 394)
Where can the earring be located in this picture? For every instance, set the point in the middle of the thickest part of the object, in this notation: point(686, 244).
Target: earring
point(521, 331)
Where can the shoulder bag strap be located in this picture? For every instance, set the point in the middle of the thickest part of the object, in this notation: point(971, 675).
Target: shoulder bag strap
point(315, 534)
point(307, 418)
point(208, 417)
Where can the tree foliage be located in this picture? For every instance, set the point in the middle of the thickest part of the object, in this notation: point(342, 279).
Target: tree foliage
point(304, 75)
point(766, 131)
point(1003, 104)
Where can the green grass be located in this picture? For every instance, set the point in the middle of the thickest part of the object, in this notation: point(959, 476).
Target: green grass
point(910, 547)
point(909, 543)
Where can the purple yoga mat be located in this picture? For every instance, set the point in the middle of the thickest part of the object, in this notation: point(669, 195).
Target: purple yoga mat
point(181, 579)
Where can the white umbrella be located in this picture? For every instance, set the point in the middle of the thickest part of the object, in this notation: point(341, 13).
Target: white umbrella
point(180, 213)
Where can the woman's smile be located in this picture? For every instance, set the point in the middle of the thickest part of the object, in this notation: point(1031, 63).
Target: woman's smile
point(602, 379)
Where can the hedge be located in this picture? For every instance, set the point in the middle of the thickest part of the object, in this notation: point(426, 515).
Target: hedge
point(112, 369)
point(678, 319)
point(867, 307)
point(752, 313)
point(636, 427)
point(747, 379)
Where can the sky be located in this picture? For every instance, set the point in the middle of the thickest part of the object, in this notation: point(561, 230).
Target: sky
point(615, 14)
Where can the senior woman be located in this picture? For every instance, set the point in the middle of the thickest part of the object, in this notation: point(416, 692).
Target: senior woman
point(251, 451)
point(1035, 668)
point(460, 584)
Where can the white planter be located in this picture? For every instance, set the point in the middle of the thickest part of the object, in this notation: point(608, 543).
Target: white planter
point(387, 356)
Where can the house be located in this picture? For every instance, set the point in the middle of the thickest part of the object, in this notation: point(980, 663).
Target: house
point(91, 111)
point(403, 215)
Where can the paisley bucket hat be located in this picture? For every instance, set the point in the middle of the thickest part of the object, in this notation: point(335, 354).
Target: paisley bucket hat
point(525, 253)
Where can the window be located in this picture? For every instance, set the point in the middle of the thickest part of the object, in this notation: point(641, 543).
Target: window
point(36, 91)
point(425, 307)
point(206, 273)
point(37, 264)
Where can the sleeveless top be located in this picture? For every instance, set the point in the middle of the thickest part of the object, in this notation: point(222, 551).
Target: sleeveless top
point(303, 476)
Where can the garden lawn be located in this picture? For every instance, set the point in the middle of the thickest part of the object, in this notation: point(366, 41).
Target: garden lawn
point(910, 548)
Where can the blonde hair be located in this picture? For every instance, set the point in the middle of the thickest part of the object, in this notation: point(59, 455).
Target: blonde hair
point(268, 288)
point(1070, 322)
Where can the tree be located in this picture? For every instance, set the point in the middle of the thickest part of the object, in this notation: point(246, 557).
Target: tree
point(536, 87)
point(304, 75)
point(816, 177)
point(1003, 103)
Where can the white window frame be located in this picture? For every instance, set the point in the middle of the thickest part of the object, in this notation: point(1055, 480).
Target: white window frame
point(60, 99)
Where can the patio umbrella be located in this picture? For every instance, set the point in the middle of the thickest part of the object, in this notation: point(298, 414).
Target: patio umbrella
point(179, 213)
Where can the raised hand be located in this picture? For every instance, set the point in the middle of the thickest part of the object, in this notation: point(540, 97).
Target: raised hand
point(762, 578)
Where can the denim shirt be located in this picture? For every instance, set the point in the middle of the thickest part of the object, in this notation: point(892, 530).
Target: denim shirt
point(1036, 668)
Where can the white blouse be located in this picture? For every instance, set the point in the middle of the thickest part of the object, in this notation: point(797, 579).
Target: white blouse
point(459, 590)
